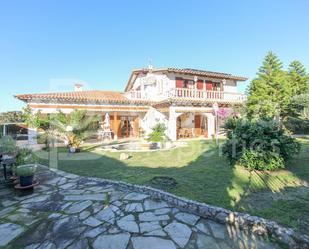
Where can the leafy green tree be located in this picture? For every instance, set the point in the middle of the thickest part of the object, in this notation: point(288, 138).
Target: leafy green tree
point(36, 119)
point(298, 121)
point(269, 94)
point(298, 77)
point(11, 117)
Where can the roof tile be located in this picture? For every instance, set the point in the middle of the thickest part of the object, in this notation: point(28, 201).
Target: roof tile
point(89, 96)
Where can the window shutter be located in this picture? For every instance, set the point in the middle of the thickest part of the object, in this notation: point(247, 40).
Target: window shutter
point(179, 82)
point(209, 86)
point(200, 84)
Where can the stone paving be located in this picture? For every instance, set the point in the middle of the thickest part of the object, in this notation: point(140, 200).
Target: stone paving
point(68, 211)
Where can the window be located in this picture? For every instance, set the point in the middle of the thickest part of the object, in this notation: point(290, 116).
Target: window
point(216, 86)
point(189, 84)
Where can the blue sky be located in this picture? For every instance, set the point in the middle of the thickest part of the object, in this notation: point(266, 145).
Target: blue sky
point(48, 45)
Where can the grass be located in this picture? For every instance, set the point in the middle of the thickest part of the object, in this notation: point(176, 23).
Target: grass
point(203, 175)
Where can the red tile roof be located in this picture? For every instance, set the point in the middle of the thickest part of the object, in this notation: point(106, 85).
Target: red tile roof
point(88, 96)
point(206, 73)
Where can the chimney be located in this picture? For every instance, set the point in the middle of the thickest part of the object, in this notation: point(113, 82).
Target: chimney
point(78, 87)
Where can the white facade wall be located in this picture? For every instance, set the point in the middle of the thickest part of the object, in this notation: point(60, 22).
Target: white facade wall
point(187, 121)
point(230, 86)
point(151, 118)
point(157, 86)
point(153, 86)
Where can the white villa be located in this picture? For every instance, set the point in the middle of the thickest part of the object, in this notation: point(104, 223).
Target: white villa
point(185, 100)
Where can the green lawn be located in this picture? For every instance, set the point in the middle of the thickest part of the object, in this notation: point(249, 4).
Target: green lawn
point(203, 175)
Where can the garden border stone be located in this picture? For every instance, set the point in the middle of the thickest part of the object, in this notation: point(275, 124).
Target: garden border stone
point(254, 224)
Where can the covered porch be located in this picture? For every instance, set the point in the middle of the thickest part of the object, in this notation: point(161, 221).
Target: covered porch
point(192, 125)
point(119, 125)
point(191, 122)
point(195, 125)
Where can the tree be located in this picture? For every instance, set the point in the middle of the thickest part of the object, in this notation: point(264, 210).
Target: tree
point(70, 128)
point(298, 122)
point(11, 117)
point(298, 78)
point(75, 127)
point(269, 94)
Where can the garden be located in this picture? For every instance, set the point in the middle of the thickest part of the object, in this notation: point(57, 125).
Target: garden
point(260, 168)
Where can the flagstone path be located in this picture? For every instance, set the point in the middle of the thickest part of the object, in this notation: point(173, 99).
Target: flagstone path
point(68, 211)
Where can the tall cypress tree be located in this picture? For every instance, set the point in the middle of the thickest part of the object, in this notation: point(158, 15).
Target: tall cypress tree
point(269, 93)
point(298, 77)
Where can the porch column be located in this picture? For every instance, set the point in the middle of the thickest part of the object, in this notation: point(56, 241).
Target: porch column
point(211, 124)
point(172, 124)
point(142, 89)
point(115, 126)
point(32, 135)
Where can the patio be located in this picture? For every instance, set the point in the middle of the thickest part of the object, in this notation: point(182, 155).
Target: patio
point(69, 211)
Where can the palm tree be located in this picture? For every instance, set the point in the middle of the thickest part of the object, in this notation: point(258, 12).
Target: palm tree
point(72, 128)
point(75, 127)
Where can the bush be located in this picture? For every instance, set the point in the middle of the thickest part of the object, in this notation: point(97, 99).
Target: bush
point(297, 125)
point(7, 145)
point(260, 145)
point(261, 160)
point(25, 156)
point(157, 134)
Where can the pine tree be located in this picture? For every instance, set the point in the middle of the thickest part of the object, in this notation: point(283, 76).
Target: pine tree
point(269, 94)
point(298, 77)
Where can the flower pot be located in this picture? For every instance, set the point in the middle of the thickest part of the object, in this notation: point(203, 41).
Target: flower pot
point(206, 134)
point(155, 145)
point(72, 150)
point(25, 181)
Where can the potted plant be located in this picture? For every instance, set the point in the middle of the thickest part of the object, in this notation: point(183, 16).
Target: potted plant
point(74, 144)
point(24, 156)
point(26, 173)
point(157, 136)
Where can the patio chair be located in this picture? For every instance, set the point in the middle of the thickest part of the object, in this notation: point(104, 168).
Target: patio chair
point(181, 133)
point(189, 133)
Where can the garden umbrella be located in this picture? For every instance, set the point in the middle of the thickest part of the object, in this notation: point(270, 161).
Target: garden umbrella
point(107, 120)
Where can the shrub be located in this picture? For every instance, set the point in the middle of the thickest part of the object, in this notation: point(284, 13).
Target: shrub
point(26, 170)
point(7, 145)
point(158, 133)
point(25, 156)
point(261, 160)
point(297, 125)
point(259, 144)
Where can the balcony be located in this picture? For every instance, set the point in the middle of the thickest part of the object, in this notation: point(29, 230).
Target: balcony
point(206, 94)
point(186, 93)
point(134, 94)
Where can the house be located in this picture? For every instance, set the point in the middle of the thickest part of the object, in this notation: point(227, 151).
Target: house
point(185, 100)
